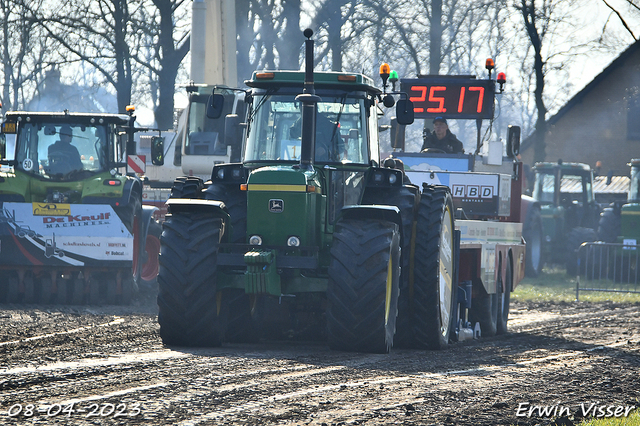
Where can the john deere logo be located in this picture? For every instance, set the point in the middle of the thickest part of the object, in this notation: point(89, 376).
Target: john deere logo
point(276, 206)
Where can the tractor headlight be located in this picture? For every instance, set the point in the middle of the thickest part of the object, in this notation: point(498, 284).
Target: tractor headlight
point(255, 240)
point(221, 173)
point(293, 241)
point(377, 177)
point(392, 178)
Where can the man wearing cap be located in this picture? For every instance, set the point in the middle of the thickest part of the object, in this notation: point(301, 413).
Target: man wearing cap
point(64, 157)
point(442, 138)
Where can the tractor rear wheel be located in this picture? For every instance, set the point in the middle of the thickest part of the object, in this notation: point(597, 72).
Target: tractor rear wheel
point(236, 202)
point(362, 294)
point(187, 187)
point(434, 289)
point(406, 200)
point(188, 310)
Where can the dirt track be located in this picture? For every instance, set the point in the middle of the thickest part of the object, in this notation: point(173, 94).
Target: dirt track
point(107, 365)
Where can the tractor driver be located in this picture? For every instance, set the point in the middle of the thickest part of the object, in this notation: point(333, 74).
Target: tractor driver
point(328, 140)
point(442, 139)
point(64, 157)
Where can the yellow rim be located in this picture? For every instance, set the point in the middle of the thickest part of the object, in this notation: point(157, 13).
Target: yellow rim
point(387, 305)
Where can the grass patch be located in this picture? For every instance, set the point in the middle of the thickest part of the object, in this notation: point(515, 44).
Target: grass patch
point(554, 285)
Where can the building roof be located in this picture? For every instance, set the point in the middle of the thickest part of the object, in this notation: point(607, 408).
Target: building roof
point(578, 97)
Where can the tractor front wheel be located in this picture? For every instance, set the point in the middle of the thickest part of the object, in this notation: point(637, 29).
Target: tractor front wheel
point(188, 310)
point(362, 295)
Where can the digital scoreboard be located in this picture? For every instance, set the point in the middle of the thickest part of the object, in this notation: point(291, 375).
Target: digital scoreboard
point(464, 98)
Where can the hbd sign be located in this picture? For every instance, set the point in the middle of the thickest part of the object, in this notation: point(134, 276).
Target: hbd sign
point(472, 191)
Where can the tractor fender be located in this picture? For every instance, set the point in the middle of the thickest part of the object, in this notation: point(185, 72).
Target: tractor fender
point(218, 209)
point(388, 213)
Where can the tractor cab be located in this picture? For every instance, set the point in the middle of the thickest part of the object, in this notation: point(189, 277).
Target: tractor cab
point(341, 128)
point(55, 147)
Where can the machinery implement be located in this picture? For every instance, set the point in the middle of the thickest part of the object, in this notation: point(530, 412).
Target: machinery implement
point(485, 197)
point(311, 235)
point(72, 225)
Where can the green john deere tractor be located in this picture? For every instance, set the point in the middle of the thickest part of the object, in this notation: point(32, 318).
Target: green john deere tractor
point(568, 210)
point(309, 236)
point(72, 226)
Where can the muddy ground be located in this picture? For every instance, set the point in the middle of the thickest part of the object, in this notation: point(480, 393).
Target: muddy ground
point(91, 365)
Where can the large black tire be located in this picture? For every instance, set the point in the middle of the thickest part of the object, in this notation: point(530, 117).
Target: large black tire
point(362, 294)
point(574, 239)
point(609, 226)
point(187, 187)
point(236, 202)
point(407, 202)
point(188, 312)
point(533, 235)
point(504, 300)
point(434, 290)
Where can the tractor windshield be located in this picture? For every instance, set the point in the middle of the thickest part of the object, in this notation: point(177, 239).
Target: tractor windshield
point(59, 151)
point(575, 187)
point(544, 187)
point(205, 136)
point(275, 129)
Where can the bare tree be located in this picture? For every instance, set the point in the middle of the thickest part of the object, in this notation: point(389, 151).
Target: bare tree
point(168, 55)
point(96, 32)
point(24, 52)
point(536, 30)
point(621, 16)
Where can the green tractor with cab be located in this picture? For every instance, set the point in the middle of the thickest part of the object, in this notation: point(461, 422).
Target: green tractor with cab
point(568, 210)
point(73, 229)
point(310, 235)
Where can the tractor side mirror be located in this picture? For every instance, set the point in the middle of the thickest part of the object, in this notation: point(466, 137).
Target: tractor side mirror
point(513, 141)
point(404, 111)
point(397, 134)
point(157, 151)
point(214, 105)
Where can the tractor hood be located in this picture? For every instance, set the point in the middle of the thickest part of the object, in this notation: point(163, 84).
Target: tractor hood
point(284, 206)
